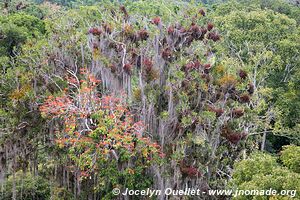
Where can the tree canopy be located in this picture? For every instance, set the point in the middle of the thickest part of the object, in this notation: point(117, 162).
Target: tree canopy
point(104, 95)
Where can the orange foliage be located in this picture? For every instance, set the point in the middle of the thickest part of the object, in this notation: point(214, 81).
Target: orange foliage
point(111, 129)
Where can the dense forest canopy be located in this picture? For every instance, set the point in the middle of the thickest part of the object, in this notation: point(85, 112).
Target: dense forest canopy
point(136, 95)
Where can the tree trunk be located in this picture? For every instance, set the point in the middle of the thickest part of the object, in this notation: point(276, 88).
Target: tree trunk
point(68, 182)
point(14, 191)
point(75, 188)
point(263, 143)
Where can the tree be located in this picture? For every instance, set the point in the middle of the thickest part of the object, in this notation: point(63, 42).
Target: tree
point(28, 187)
point(16, 29)
point(97, 131)
point(204, 86)
point(194, 104)
point(261, 171)
point(290, 157)
point(272, 56)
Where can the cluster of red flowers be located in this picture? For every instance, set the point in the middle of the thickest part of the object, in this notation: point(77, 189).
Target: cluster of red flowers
point(192, 65)
point(148, 64)
point(170, 30)
point(232, 136)
point(107, 28)
point(244, 98)
point(202, 12)
point(143, 34)
point(189, 171)
point(127, 68)
point(218, 111)
point(156, 20)
point(210, 26)
point(95, 31)
point(243, 74)
point(237, 113)
point(213, 36)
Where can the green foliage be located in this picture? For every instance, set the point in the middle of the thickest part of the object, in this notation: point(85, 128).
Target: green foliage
point(17, 28)
point(71, 3)
point(290, 157)
point(42, 43)
point(261, 36)
point(28, 187)
point(258, 163)
point(59, 193)
point(280, 6)
point(129, 178)
point(262, 171)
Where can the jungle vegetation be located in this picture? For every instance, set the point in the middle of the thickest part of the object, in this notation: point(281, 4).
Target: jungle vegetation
point(97, 95)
